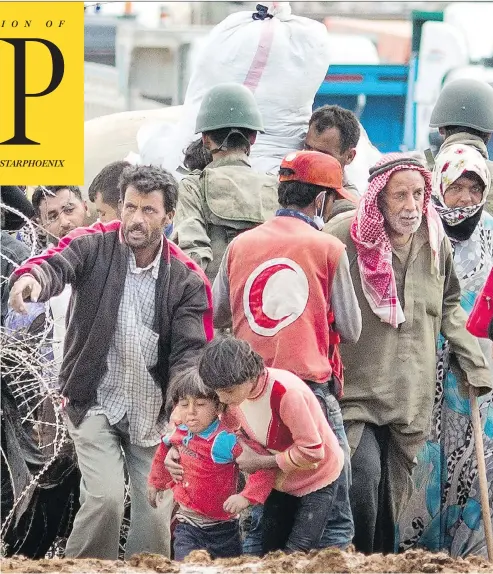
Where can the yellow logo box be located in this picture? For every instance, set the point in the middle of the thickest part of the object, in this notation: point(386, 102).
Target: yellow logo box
point(42, 93)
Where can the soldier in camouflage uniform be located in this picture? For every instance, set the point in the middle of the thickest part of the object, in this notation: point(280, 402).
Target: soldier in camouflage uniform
point(228, 196)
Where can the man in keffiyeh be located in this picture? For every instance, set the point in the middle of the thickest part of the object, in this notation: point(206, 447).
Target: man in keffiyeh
point(403, 274)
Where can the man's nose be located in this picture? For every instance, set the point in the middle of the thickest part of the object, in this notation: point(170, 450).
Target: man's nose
point(137, 217)
point(411, 203)
point(65, 222)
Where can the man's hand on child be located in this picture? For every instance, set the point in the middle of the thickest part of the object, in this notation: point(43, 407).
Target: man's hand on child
point(152, 492)
point(172, 464)
point(236, 503)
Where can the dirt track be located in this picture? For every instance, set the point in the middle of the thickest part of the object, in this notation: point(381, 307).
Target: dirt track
point(200, 563)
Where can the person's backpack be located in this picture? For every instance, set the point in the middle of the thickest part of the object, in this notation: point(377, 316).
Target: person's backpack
point(239, 199)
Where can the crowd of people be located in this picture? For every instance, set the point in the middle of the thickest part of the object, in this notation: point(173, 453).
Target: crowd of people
point(276, 361)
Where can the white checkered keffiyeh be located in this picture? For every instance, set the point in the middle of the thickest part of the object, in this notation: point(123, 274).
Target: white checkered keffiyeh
point(128, 388)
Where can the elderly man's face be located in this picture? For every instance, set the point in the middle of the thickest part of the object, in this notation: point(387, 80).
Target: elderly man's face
point(402, 202)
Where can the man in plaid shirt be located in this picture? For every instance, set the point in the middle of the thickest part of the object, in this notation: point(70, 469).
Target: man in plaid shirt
point(140, 311)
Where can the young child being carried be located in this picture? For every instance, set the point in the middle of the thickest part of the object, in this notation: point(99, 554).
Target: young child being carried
point(207, 495)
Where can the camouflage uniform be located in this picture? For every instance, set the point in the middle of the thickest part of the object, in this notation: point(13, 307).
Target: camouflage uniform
point(217, 204)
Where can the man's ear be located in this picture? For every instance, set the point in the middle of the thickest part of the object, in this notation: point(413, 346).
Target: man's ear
point(318, 201)
point(252, 138)
point(206, 141)
point(170, 215)
point(351, 154)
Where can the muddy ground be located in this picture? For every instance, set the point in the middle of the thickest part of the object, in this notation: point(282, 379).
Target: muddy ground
point(200, 563)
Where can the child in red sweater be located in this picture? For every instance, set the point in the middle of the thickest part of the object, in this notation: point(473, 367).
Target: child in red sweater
point(278, 410)
point(207, 495)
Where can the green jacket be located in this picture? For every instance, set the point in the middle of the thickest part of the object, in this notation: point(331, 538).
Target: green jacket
point(217, 204)
point(390, 373)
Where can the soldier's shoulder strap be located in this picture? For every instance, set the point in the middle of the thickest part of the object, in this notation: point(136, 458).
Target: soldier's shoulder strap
point(430, 160)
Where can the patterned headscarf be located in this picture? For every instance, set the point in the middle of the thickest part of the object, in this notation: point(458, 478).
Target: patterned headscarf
point(373, 244)
point(450, 164)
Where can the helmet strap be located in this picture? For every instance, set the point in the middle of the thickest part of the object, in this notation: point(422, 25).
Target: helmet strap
point(224, 143)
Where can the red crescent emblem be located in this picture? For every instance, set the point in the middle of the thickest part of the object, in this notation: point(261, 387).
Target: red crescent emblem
point(255, 298)
point(275, 295)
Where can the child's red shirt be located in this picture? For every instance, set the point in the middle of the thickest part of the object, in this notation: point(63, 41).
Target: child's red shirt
point(210, 472)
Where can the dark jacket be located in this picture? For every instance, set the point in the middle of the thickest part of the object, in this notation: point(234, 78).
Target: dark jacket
point(94, 261)
point(14, 197)
point(14, 252)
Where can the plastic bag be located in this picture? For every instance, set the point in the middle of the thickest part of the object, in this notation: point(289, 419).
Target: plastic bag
point(282, 58)
point(367, 156)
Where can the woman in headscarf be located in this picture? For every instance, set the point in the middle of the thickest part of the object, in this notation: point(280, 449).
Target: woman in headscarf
point(445, 511)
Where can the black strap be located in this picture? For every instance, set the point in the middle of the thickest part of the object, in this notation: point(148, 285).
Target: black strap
point(261, 13)
point(429, 158)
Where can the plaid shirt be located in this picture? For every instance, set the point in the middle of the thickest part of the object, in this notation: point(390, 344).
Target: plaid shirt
point(128, 388)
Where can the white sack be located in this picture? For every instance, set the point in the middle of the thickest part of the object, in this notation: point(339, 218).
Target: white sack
point(283, 61)
point(367, 156)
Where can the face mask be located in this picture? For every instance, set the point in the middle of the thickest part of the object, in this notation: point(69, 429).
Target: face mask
point(318, 219)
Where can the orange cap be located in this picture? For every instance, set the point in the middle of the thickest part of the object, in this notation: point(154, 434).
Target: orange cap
point(316, 168)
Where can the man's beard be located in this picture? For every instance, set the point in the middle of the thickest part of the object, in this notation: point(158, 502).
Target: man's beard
point(395, 223)
point(143, 241)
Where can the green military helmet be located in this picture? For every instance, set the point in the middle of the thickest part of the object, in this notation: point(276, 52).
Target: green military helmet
point(464, 102)
point(229, 105)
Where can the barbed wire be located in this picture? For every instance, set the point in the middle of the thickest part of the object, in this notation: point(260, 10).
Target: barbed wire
point(29, 368)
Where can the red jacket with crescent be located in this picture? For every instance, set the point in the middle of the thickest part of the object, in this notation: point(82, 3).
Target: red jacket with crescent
point(280, 283)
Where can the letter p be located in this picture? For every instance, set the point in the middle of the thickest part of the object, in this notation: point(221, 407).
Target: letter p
point(20, 94)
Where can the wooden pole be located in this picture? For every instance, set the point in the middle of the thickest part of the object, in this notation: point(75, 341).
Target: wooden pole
point(483, 483)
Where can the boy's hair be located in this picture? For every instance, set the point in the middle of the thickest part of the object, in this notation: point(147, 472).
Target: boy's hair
point(226, 361)
point(106, 183)
point(188, 384)
point(42, 191)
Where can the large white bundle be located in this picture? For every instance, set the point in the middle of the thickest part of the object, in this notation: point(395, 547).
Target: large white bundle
point(367, 156)
point(282, 60)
